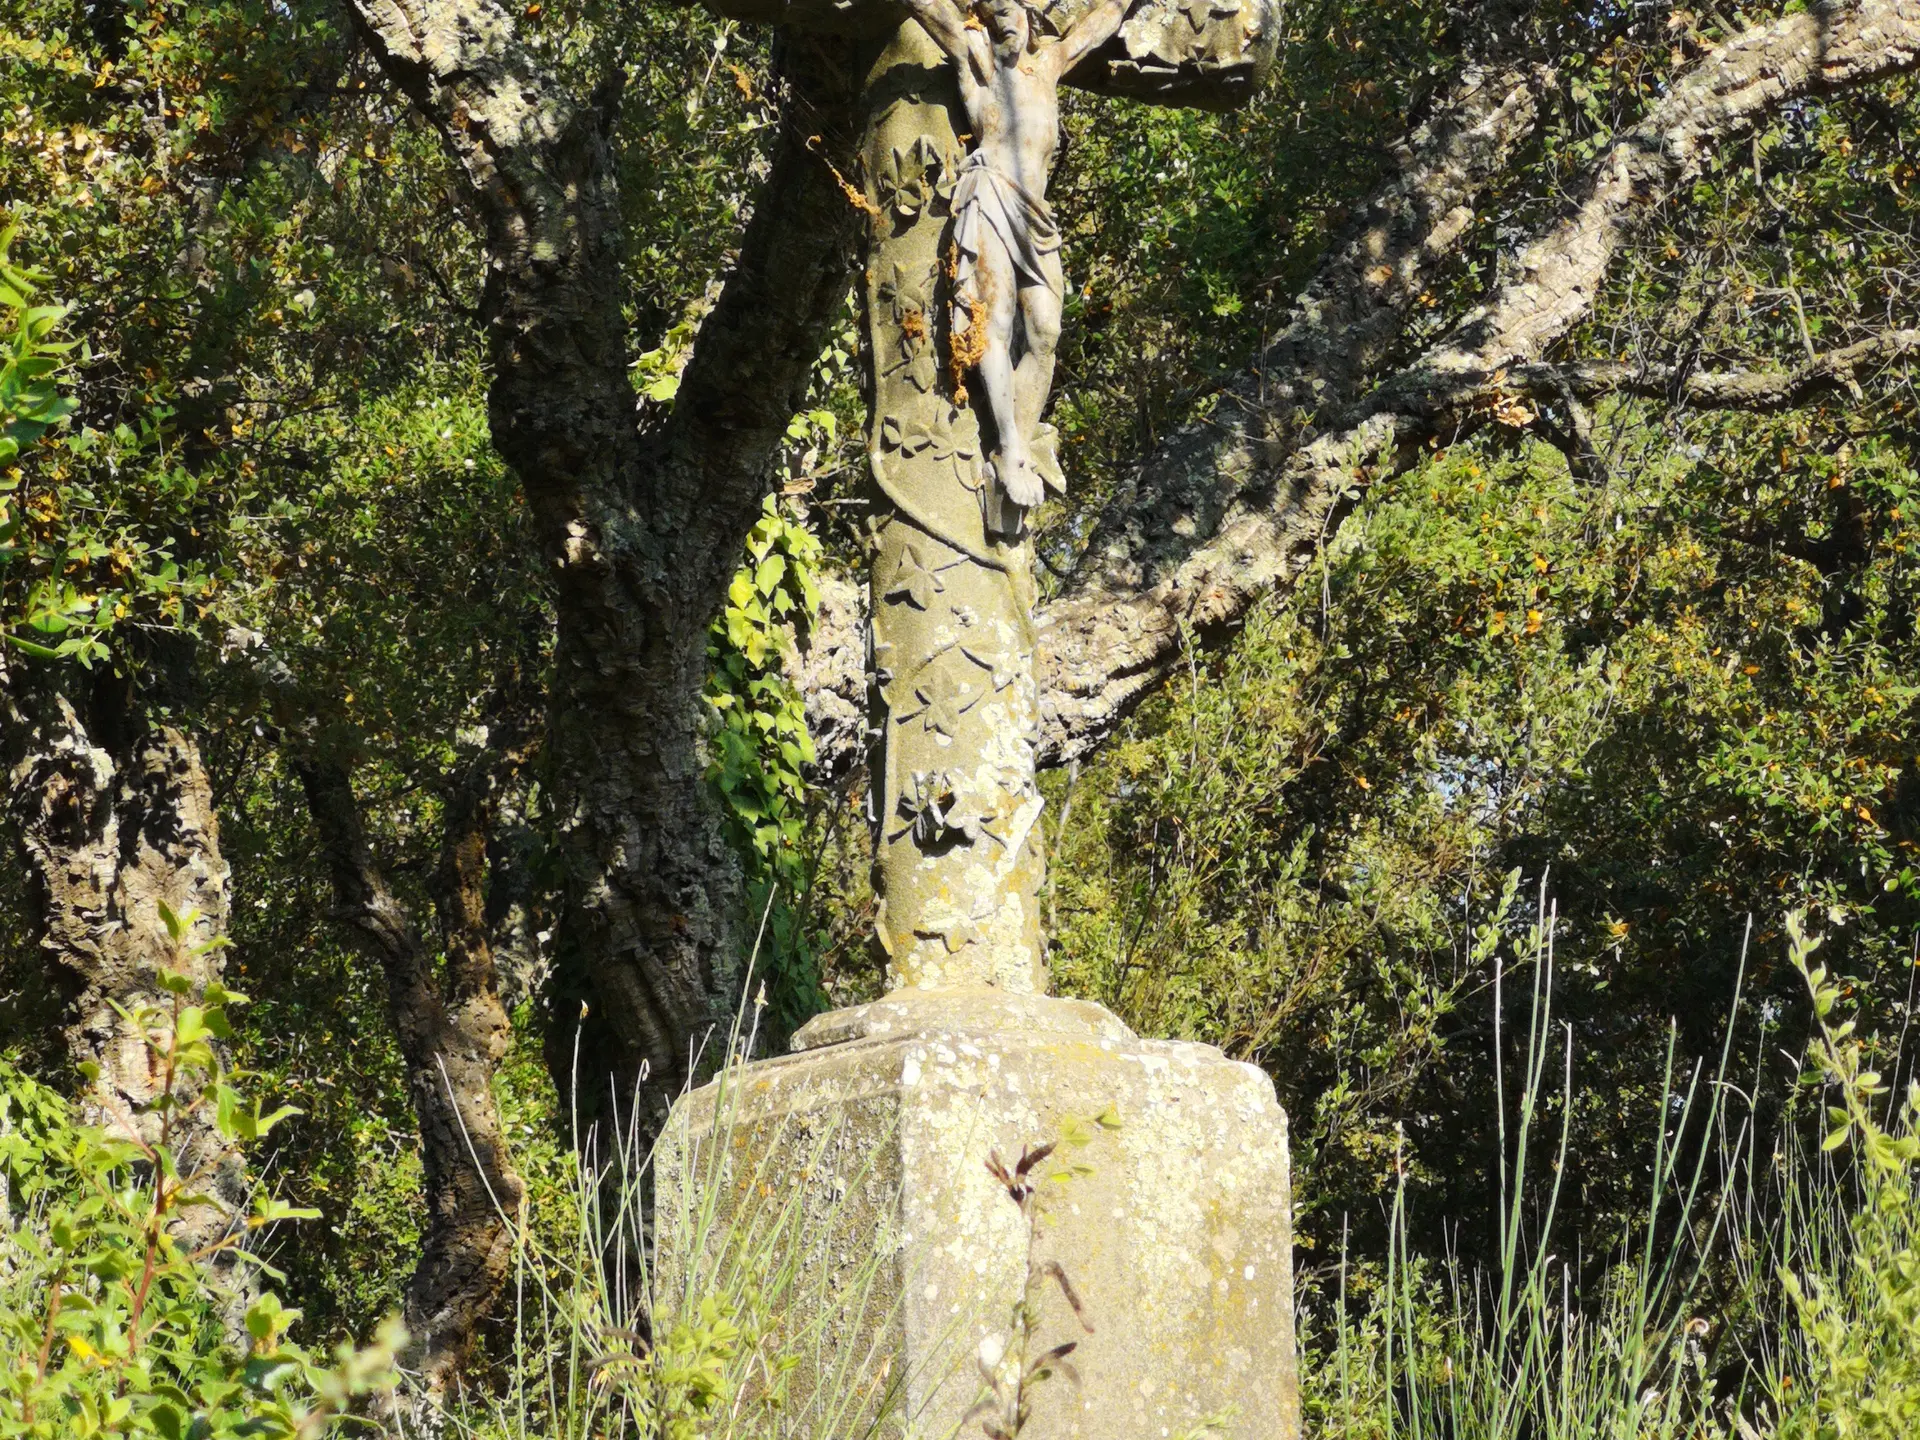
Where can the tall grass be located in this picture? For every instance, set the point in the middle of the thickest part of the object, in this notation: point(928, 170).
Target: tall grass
point(1767, 1290)
point(1757, 1296)
point(722, 1311)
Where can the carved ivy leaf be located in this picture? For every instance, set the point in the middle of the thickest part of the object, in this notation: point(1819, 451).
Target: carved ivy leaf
point(932, 808)
point(1002, 669)
point(939, 708)
point(906, 296)
point(914, 580)
point(909, 437)
point(948, 166)
point(922, 806)
point(951, 439)
point(970, 813)
point(956, 442)
point(952, 446)
point(904, 292)
point(916, 354)
point(909, 184)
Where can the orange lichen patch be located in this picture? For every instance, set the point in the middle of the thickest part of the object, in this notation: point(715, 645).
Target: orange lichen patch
point(856, 197)
point(967, 344)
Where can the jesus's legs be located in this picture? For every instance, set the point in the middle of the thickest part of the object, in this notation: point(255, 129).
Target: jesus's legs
point(1040, 322)
point(997, 285)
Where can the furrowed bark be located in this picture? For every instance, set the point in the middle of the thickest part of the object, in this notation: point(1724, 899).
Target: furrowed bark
point(116, 819)
point(1125, 620)
point(657, 944)
point(1351, 313)
point(453, 1032)
point(643, 526)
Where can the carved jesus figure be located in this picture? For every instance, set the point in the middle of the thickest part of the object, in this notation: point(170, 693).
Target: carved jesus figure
point(1007, 276)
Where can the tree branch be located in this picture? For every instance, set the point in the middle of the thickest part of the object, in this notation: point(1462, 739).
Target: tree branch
point(1754, 390)
point(452, 1043)
point(1343, 323)
point(1112, 638)
point(754, 355)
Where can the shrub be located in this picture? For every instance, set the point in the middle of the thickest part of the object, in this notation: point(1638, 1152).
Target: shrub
point(108, 1325)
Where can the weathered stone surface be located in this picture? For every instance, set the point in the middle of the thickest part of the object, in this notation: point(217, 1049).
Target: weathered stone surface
point(958, 859)
point(1177, 1238)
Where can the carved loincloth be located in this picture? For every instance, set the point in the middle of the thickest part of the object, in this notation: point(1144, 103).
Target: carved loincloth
point(1023, 221)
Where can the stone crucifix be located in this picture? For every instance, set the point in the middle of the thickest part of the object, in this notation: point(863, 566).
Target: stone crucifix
point(879, 1126)
point(963, 291)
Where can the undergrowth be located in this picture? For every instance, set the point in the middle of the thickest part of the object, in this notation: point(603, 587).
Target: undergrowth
point(1768, 1290)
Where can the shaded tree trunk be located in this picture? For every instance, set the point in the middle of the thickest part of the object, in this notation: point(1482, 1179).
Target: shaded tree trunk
point(642, 520)
point(116, 820)
point(453, 1032)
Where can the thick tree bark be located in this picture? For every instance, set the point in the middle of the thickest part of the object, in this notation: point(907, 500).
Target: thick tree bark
point(443, 1000)
point(453, 1032)
point(1128, 616)
point(1759, 391)
point(643, 526)
point(653, 940)
point(116, 819)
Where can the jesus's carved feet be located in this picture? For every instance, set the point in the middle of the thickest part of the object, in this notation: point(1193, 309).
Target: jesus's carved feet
point(1020, 478)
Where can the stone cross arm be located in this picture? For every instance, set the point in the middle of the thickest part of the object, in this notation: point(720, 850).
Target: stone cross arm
point(1205, 54)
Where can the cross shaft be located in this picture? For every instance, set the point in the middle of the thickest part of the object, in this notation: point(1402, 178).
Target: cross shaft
point(962, 291)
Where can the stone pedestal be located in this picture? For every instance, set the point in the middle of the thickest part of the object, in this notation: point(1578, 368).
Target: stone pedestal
point(1165, 1203)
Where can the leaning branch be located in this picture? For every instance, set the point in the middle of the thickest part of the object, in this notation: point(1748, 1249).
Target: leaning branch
point(1761, 391)
point(1104, 647)
point(754, 356)
point(1341, 326)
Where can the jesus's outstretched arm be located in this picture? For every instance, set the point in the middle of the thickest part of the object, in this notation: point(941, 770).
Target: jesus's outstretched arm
point(1089, 33)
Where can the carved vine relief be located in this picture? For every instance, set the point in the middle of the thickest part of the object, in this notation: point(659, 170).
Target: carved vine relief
point(964, 290)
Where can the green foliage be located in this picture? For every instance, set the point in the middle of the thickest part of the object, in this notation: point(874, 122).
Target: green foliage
point(72, 565)
point(761, 748)
point(708, 1309)
point(1193, 231)
point(109, 1326)
point(1859, 1321)
point(1759, 1298)
point(30, 361)
point(1500, 666)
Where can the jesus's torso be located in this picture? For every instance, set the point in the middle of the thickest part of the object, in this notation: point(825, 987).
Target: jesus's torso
point(1015, 115)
